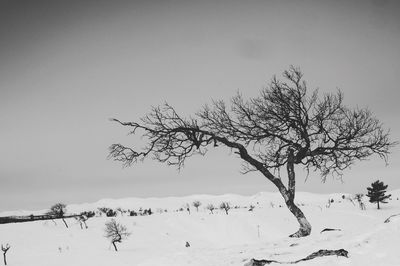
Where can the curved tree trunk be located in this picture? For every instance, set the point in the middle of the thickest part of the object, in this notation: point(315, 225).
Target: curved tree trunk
point(115, 246)
point(305, 226)
point(288, 194)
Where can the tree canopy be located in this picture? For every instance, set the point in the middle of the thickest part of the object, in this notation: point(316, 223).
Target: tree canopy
point(377, 193)
point(319, 132)
point(285, 125)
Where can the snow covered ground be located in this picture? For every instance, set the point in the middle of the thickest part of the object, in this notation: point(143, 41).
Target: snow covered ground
point(215, 239)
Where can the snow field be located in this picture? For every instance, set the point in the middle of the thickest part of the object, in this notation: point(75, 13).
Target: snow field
point(217, 239)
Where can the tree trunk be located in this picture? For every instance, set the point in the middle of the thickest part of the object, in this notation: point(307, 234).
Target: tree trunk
point(115, 247)
point(4, 257)
point(287, 194)
point(378, 204)
point(65, 222)
point(305, 226)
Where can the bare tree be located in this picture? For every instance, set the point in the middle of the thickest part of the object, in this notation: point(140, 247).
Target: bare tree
point(196, 204)
point(187, 207)
point(82, 220)
point(58, 210)
point(116, 232)
point(5, 249)
point(286, 125)
point(225, 206)
point(359, 198)
point(211, 208)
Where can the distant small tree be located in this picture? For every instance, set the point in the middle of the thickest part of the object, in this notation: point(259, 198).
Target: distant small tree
point(147, 212)
point(225, 206)
point(58, 210)
point(187, 207)
point(211, 208)
point(103, 210)
point(82, 220)
point(116, 232)
point(121, 211)
point(111, 213)
point(5, 249)
point(196, 204)
point(88, 214)
point(359, 198)
point(376, 193)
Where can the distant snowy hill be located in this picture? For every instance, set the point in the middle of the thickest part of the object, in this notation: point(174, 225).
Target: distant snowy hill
point(261, 199)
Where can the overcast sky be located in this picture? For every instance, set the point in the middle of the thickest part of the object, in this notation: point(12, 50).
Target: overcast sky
point(66, 67)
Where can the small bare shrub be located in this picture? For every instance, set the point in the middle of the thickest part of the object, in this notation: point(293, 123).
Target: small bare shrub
point(5, 249)
point(187, 207)
point(225, 206)
point(359, 198)
point(211, 208)
point(196, 204)
point(58, 210)
point(116, 232)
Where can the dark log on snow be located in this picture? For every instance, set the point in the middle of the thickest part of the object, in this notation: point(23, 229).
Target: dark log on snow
point(391, 216)
point(319, 253)
point(330, 229)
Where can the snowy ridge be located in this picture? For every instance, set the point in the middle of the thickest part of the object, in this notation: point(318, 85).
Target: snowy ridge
point(173, 203)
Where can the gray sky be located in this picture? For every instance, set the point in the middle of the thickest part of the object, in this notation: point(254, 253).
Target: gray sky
point(66, 67)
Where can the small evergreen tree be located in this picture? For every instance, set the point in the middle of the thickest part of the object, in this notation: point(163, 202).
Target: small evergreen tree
point(376, 192)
